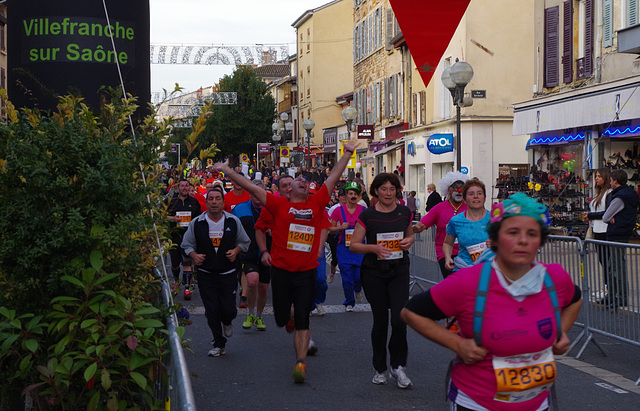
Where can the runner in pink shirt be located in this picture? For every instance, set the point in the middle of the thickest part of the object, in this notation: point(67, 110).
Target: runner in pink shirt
point(513, 312)
point(453, 204)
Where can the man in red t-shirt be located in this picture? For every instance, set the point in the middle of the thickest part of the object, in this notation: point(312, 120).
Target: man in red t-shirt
point(235, 197)
point(296, 233)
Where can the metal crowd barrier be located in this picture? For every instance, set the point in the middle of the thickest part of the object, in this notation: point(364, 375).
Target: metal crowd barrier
point(424, 267)
point(606, 272)
point(178, 393)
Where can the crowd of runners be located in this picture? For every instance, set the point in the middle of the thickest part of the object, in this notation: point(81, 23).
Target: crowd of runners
point(506, 314)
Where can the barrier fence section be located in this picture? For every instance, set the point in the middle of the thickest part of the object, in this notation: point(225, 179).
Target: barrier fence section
point(607, 273)
point(179, 392)
point(424, 269)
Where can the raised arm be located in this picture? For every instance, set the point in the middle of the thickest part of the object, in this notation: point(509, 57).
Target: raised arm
point(245, 183)
point(336, 172)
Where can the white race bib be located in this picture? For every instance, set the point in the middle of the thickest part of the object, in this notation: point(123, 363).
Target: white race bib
point(477, 249)
point(347, 236)
point(523, 377)
point(300, 238)
point(392, 242)
point(185, 218)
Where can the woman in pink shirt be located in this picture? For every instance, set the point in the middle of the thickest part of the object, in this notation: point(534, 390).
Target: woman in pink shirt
point(513, 312)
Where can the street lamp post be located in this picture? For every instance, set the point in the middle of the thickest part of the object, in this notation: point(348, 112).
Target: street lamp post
point(455, 78)
point(308, 125)
point(275, 127)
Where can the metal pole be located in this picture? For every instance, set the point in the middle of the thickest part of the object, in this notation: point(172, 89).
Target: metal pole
point(308, 152)
point(458, 147)
point(179, 158)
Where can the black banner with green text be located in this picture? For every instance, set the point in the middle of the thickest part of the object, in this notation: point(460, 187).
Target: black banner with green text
point(55, 48)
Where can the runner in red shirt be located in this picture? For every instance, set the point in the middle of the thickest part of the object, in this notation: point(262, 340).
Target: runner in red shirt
point(235, 197)
point(296, 237)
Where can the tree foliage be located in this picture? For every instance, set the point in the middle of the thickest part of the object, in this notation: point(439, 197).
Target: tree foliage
point(236, 129)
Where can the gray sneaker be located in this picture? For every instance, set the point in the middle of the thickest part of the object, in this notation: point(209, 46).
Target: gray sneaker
point(216, 352)
point(227, 330)
point(359, 296)
point(312, 349)
point(400, 377)
point(380, 378)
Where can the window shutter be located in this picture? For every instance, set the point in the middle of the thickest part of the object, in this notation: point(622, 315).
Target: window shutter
point(588, 38)
point(414, 109)
point(551, 69)
point(394, 90)
point(567, 42)
point(365, 42)
point(423, 107)
point(379, 26)
point(607, 23)
point(388, 30)
point(632, 12)
point(355, 42)
point(386, 98)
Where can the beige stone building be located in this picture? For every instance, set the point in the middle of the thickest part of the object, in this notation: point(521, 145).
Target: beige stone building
point(495, 37)
point(323, 68)
point(585, 98)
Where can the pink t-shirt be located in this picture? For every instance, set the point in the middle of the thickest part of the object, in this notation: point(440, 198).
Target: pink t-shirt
point(351, 218)
point(510, 328)
point(440, 215)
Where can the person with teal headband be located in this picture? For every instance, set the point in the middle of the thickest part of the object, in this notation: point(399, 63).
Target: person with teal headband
point(513, 314)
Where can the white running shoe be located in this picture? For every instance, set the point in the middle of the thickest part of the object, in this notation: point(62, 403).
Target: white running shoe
point(320, 309)
point(330, 278)
point(360, 296)
point(348, 308)
point(216, 352)
point(227, 330)
point(400, 377)
point(380, 378)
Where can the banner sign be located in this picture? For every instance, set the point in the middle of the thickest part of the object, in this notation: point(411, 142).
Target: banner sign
point(365, 132)
point(55, 48)
point(440, 143)
point(352, 160)
point(264, 148)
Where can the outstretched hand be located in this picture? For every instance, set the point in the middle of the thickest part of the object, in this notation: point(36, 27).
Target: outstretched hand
point(350, 147)
point(220, 166)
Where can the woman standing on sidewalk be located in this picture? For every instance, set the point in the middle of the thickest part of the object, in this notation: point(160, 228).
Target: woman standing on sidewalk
point(514, 315)
point(384, 273)
point(597, 207)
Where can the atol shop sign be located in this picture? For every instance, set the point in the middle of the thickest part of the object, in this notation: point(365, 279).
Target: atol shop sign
point(440, 143)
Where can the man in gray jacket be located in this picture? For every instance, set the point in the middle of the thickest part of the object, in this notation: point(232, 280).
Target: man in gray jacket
point(213, 241)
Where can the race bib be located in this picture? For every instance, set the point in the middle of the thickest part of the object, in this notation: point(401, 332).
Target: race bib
point(216, 238)
point(300, 238)
point(475, 250)
point(391, 241)
point(347, 236)
point(185, 218)
point(523, 377)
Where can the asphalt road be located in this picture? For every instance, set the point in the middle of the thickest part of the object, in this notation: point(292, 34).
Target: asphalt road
point(256, 371)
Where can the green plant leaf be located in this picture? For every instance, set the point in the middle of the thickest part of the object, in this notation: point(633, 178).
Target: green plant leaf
point(73, 281)
point(105, 278)
point(148, 323)
point(88, 323)
point(106, 292)
point(9, 341)
point(90, 371)
point(147, 311)
point(96, 260)
point(31, 345)
point(180, 331)
point(25, 363)
point(10, 314)
point(88, 274)
point(105, 379)
point(63, 298)
point(97, 230)
point(93, 402)
point(16, 324)
point(139, 379)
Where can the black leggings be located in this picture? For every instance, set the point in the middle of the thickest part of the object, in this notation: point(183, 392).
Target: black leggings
point(387, 288)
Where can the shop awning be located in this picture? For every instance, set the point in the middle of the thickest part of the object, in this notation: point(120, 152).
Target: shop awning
point(428, 26)
point(392, 132)
point(579, 108)
point(377, 145)
point(383, 151)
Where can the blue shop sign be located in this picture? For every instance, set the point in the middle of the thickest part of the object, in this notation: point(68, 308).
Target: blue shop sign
point(440, 143)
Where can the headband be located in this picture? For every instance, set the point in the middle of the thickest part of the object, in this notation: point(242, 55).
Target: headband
point(520, 204)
